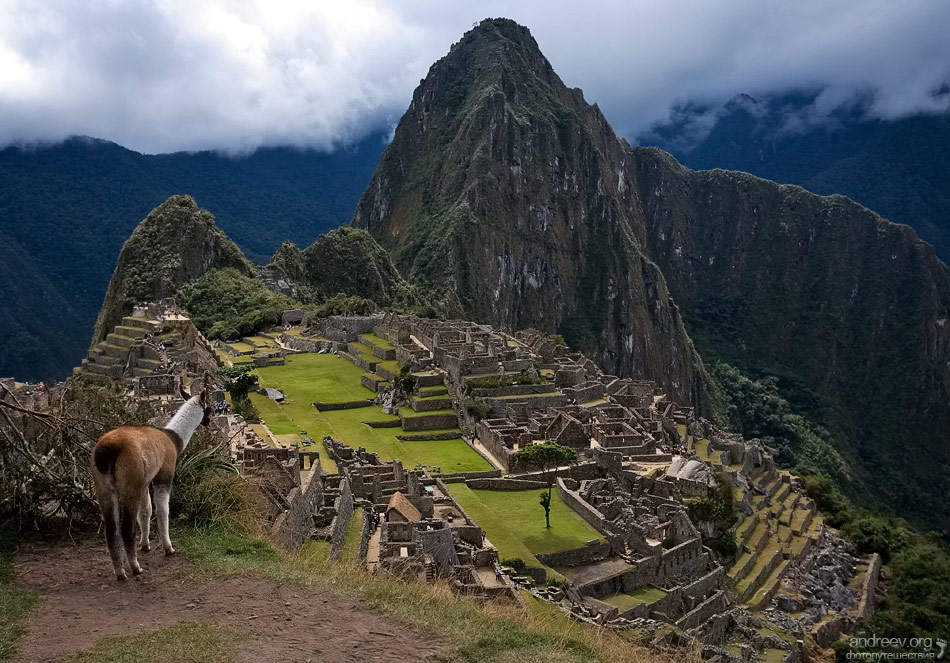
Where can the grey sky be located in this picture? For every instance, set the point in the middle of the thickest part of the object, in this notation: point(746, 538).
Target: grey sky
point(167, 75)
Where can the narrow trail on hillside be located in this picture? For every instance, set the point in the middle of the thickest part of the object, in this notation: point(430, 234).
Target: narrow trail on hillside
point(83, 603)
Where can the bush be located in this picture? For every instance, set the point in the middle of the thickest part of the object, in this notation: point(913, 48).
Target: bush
point(208, 489)
point(226, 305)
point(517, 564)
point(477, 408)
point(245, 408)
point(755, 409)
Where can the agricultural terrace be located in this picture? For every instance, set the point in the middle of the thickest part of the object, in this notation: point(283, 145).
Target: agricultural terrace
point(515, 522)
point(307, 378)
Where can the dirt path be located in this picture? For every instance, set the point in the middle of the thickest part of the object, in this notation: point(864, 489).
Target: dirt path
point(82, 603)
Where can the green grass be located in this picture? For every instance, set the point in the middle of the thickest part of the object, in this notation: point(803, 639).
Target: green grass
point(409, 413)
point(623, 601)
point(351, 543)
point(187, 642)
point(471, 630)
point(15, 603)
point(514, 522)
point(378, 341)
point(316, 550)
point(241, 347)
point(327, 378)
point(315, 377)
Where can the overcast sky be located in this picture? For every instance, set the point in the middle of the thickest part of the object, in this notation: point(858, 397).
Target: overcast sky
point(165, 75)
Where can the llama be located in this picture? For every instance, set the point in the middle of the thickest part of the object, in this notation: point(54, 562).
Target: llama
point(125, 462)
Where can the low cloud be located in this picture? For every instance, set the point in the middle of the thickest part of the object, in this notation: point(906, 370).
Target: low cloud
point(174, 75)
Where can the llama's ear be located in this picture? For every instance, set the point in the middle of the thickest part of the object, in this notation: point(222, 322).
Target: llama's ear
point(181, 390)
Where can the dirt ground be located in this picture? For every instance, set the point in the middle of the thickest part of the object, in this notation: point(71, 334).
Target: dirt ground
point(82, 603)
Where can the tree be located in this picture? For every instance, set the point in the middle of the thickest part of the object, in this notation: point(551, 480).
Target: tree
point(238, 380)
point(547, 457)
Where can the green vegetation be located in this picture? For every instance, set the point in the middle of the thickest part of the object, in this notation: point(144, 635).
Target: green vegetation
point(15, 603)
point(916, 603)
point(755, 409)
point(547, 457)
point(478, 408)
point(351, 543)
point(511, 520)
point(238, 380)
point(326, 378)
point(719, 508)
point(226, 304)
point(625, 600)
point(473, 631)
point(313, 377)
point(341, 304)
point(187, 642)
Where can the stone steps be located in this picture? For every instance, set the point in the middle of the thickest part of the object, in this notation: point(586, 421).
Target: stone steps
point(121, 340)
point(102, 369)
point(111, 350)
point(141, 323)
point(769, 587)
point(134, 332)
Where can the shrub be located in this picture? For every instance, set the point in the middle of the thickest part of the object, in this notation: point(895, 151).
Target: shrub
point(208, 489)
point(477, 408)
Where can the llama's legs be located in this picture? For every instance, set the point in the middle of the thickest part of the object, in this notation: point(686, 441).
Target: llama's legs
point(145, 518)
point(129, 511)
point(110, 513)
point(162, 495)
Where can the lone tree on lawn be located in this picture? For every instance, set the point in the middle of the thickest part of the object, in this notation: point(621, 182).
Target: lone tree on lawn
point(546, 457)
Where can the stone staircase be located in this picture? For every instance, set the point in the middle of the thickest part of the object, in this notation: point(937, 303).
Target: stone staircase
point(111, 357)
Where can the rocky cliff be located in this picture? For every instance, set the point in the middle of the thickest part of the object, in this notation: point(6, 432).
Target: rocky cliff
point(175, 243)
point(850, 311)
point(507, 192)
point(504, 191)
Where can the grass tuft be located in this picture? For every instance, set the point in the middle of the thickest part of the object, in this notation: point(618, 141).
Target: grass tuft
point(15, 603)
point(187, 642)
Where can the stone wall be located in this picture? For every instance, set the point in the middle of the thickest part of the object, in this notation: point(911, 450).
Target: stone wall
point(295, 525)
point(344, 511)
point(592, 516)
point(429, 422)
point(865, 603)
point(505, 484)
point(346, 405)
point(305, 344)
point(715, 604)
point(594, 551)
point(465, 477)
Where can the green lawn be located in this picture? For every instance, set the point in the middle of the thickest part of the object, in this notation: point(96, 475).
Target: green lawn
point(314, 377)
point(514, 522)
point(623, 601)
point(326, 378)
point(351, 544)
point(378, 341)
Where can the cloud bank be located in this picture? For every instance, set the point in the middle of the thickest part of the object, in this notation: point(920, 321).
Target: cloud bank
point(165, 75)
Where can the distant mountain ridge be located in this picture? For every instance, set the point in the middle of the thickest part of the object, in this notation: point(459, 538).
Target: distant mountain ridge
point(66, 209)
point(899, 168)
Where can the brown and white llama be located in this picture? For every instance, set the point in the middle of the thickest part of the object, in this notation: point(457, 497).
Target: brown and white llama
point(129, 459)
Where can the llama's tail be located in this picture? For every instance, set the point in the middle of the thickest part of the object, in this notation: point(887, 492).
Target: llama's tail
point(105, 457)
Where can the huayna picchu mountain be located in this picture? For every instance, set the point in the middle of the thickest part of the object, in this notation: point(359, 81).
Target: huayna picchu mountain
point(509, 195)
point(499, 192)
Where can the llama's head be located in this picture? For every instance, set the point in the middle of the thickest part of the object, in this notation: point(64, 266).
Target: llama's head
point(204, 398)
